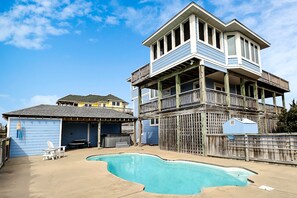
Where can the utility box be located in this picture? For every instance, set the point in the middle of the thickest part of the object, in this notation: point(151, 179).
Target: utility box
point(240, 126)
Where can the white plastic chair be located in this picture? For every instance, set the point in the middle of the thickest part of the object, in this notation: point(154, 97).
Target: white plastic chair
point(60, 151)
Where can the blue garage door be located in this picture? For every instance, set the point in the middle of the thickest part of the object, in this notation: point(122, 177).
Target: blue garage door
point(33, 136)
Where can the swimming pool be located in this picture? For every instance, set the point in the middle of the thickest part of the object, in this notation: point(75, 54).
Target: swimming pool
point(171, 177)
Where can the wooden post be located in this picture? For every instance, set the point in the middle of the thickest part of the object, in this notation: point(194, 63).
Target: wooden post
point(160, 95)
point(256, 94)
point(178, 133)
point(99, 135)
point(177, 90)
point(139, 101)
point(134, 133)
point(246, 145)
point(283, 101)
point(227, 88)
point(202, 84)
point(274, 102)
point(204, 131)
point(242, 90)
point(139, 132)
point(88, 134)
point(264, 106)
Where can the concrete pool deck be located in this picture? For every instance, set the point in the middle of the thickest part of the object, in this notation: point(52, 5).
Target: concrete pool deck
point(74, 176)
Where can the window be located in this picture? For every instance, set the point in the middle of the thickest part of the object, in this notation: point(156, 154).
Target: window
point(166, 92)
point(201, 31)
point(177, 36)
point(209, 35)
point(155, 51)
point(115, 103)
point(231, 45)
point(247, 51)
point(257, 55)
point(242, 47)
point(252, 52)
point(153, 93)
point(218, 39)
point(219, 87)
point(88, 105)
point(169, 42)
point(186, 26)
point(161, 47)
point(154, 122)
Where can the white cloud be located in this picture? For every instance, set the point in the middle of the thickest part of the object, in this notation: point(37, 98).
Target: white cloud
point(40, 99)
point(112, 20)
point(29, 22)
point(93, 40)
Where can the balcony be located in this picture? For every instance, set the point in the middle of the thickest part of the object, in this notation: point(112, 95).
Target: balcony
point(140, 74)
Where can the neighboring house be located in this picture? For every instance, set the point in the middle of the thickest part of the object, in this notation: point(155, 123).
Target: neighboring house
point(61, 125)
point(110, 101)
point(202, 72)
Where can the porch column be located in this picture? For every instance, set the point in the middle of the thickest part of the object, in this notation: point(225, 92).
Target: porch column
point(283, 100)
point(242, 90)
point(274, 102)
point(134, 133)
point(99, 134)
point(88, 135)
point(227, 88)
point(139, 132)
point(177, 90)
point(202, 85)
point(160, 95)
point(256, 94)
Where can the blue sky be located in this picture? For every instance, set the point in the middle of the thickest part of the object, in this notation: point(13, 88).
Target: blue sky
point(51, 48)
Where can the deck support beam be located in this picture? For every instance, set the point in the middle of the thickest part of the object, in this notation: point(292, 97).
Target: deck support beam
point(256, 94)
point(140, 132)
point(263, 103)
point(283, 101)
point(274, 102)
point(134, 133)
point(242, 90)
point(139, 120)
point(160, 95)
point(202, 83)
point(177, 88)
point(227, 88)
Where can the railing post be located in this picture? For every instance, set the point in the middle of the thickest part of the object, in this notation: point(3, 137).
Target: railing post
point(160, 88)
point(202, 84)
point(242, 90)
point(246, 146)
point(264, 106)
point(227, 88)
point(177, 90)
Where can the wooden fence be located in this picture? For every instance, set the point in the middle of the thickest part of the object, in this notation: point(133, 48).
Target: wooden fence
point(276, 148)
point(4, 150)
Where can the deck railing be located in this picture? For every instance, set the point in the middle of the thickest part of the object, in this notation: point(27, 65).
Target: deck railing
point(168, 102)
point(149, 107)
point(216, 97)
point(251, 103)
point(140, 74)
point(190, 97)
point(236, 100)
point(274, 80)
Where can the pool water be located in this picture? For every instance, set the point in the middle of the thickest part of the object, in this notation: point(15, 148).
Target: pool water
point(171, 177)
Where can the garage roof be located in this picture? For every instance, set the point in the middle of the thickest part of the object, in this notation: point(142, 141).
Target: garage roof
point(70, 112)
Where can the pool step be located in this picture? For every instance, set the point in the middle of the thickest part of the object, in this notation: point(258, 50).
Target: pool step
point(122, 145)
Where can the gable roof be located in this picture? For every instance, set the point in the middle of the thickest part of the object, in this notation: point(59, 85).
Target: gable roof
point(193, 8)
point(56, 111)
point(90, 98)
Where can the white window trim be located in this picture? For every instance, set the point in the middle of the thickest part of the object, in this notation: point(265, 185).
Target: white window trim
point(154, 122)
point(216, 84)
point(150, 94)
point(250, 53)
